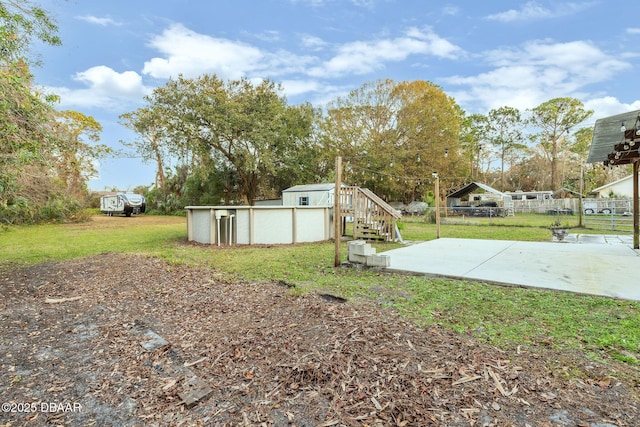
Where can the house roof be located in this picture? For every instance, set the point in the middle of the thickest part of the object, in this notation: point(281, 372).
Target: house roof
point(473, 186)
point(607, 135)
point(603, 187)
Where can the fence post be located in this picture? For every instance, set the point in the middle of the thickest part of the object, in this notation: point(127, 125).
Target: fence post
point(636, 225)
point(337, 215)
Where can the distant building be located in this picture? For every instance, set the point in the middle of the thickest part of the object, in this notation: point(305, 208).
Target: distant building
point(530, 195)
point(309, 195)
point(474, 193)
point(622, 188)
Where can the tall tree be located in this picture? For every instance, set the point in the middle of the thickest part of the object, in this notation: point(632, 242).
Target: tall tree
point(45, 156)
point(429, 125)
point(153, 143)
point(76, 150)
point(361, 128)
point(473, 145)
point(248, 127)
point(502, 127)
point(393, 136)
point(25, 116)
point(20, 22)
point(555, 118)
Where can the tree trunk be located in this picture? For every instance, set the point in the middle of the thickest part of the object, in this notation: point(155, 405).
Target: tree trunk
point(160, 172)
point(249, 188)
point(554, 164)
point(502, 171)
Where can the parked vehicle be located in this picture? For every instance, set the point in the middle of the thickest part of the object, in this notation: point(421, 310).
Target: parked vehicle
point(485, 208)
point(123, 204)
point(559, 211)
point(606, 206)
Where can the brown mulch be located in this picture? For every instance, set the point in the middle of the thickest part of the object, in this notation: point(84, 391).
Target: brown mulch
point(265, 356)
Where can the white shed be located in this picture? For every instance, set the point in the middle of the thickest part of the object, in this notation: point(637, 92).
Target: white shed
point(309, 195)
point(248, 225)
point(620, 188)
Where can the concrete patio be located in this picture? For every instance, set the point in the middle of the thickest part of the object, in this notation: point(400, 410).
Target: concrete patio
point(591, 264)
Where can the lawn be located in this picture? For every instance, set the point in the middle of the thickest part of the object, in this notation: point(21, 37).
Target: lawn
point(604, 329)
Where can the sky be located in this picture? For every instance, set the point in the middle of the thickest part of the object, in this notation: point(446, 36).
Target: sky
point(484, 54)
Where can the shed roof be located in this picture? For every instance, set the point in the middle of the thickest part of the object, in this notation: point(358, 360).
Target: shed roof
point(607, 134)
point(473, 186)
point(311, 187)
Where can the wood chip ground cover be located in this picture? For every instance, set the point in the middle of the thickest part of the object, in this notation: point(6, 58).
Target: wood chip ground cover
point(114, 340)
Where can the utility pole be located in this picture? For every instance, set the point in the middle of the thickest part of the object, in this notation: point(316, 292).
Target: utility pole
point(437, 197)
point(580, 207)
point(636, 206)
point(337, 217)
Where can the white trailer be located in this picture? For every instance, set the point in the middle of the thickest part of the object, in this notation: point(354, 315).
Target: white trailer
point(123, 204)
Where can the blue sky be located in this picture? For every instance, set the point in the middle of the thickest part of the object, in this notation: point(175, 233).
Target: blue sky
point(485, 54)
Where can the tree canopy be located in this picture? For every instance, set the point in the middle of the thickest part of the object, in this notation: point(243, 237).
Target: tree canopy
point(20, 22)
point(239, 141)
point(46, 156)
point(393, 136)
point(554, 119)
point(244, 130)
point(503, 128)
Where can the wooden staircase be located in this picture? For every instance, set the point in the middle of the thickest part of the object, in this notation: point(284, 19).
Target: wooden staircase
point(373, 218)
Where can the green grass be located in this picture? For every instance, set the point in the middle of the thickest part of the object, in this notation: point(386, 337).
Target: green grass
point(33, 244)
point(601, 328)
point(512, 316)
point(421, 231)
point(522, 227)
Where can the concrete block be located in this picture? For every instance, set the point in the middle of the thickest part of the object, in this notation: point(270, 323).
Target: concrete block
point(357, 247)
point(154, 342)
point(383, 261)
point(358, 259)
point(360, 247)
point(194, 391)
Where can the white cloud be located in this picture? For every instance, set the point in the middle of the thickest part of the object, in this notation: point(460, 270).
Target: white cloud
point(98, 21)
point(192, 54)
point(267, 36)
point(369, 4)
point(319, 93)
point(299, 87)
point(186, 52)
point(312, 3)
point(450, 10)
point(363, 57)
point(283, 62)
point(523, 77)
point(609, 106)
point(533, 11)
point(106, 88)
point(435, 45)
point(635, 30)
point(580, 61)
point(106, 80)
point(312, 42)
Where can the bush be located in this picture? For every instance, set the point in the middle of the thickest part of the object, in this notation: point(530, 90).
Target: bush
point(17, 211)
point(20, 210)
point(430, 216)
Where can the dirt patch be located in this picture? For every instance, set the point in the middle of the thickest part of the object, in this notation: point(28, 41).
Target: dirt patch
point(258, 355)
